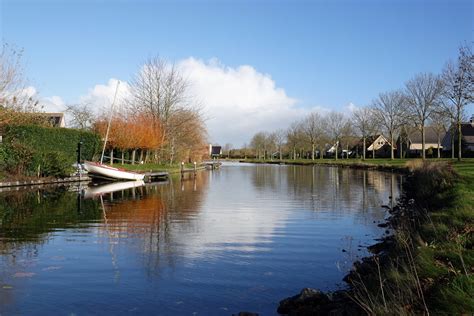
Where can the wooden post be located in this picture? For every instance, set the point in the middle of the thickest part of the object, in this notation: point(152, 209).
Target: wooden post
point(182, 169)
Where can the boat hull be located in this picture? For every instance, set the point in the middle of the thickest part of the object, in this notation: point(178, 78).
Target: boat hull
point(106, 172)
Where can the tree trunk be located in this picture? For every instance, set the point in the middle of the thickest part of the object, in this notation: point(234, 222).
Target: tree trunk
point(312, 152)
point(423, 154)
point(147, 156)
point(373, 149)
point(294, 153)
point(141, 155)
point(459, 141)
point(452, 143)
point(400, 148)
point(123, 157)
point(439, 144)
point(337, 145)
point(363, 148)
point(408, 146)
point(134, 151)
point(111, 156)
point(321, 153)
point(392, 154)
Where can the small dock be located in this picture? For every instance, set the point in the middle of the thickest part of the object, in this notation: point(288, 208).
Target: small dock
point(206, 165)
point(156, 176)
point(212, 164)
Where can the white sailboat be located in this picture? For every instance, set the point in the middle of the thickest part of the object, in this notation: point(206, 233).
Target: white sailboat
point(98, 170)
point(102, 171)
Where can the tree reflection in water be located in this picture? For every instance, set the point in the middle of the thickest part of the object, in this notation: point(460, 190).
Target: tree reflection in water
point(246, 235)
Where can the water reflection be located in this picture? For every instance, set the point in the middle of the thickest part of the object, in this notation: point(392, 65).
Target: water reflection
point(238, 238)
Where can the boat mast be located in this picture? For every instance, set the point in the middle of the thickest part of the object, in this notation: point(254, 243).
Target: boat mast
point(108, 125)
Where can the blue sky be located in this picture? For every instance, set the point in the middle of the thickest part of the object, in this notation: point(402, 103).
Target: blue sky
point(321, 53)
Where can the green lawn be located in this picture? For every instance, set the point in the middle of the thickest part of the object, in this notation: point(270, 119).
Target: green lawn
point(154, 167)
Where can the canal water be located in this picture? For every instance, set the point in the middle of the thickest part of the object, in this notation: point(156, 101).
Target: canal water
point(236, 239)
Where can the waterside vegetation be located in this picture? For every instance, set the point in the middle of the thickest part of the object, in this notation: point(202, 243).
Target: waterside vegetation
point(426, 266)
point(155, 120)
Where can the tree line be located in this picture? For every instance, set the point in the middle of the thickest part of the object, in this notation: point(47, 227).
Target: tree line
point(427, 99)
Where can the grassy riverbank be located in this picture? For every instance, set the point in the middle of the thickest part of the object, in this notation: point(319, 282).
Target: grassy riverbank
point(153, 167)
point(427, 265)
point(403, 164)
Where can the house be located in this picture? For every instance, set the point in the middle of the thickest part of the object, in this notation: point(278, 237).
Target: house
point(378, 145)
point(55, 119)
point(412, 141)
point(331, 149)
point(215, 151)
point(467, 131)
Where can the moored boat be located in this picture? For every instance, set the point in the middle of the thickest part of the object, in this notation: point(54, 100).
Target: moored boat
point(102, 171)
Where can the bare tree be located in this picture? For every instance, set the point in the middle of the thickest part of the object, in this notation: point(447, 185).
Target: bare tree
point(422, 95)
point(390, 112)
point(293, 136)
point(160, 91)
point(458, 79)
point(311, 127)
point(280, 138)
point(227, 149)
point(82, 116)
point(258, 143)
point(11, 74)
point(337, 124)
point(440, 123)
point(365, 123)
point(17, 106)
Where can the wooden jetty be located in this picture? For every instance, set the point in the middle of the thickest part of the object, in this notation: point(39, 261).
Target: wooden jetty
point(212, 164)
point(156, 176)
point(206, 165)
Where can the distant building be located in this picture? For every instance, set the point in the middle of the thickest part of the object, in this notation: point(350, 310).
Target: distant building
point(215, 151)
point(412, 142)
point(55, 119)
point(467, 131)
point(331, 149)
point(378, 145)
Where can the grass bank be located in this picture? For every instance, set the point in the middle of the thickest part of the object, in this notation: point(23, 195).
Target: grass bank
point(153, 167)
point(427, 265)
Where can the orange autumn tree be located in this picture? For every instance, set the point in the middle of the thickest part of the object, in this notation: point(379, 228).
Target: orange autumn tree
point(145, 134)
point(129, 134)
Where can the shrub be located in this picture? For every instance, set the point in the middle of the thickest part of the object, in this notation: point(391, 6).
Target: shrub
point(35, 150)
point(18, 158)
point(55, 164)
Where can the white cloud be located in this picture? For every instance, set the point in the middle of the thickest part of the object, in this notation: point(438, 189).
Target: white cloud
point(239, 102)
point(53, 104)
point(47, 104)
point(350, 108)
point(101, 96)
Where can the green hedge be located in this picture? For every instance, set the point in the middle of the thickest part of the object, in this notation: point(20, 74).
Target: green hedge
point(47, 151)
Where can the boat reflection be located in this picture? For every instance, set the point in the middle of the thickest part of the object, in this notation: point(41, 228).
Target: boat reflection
point(101, 189)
